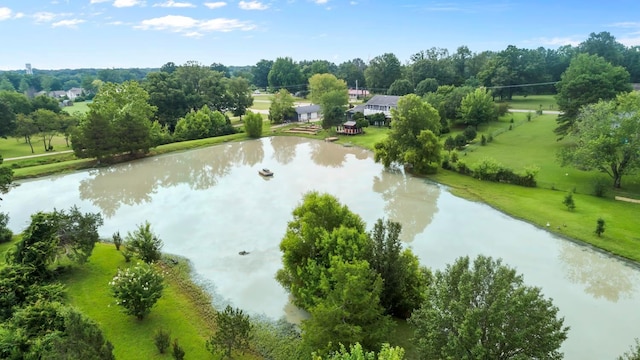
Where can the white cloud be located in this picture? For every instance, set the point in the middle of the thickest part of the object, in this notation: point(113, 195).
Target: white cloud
point(192, 27)
point(353, 3)
point(320, 2)
point(630, 41)
point(215, 5)
point(71, 23)
point(252, 5)
point(173, 4)
point(127, 3)
point(98, 1)
point(44, 16)
point(19, 15)
point(225, 25)
point(5, 13)
point(115, 23)
point(556, 41)
point(626, 24)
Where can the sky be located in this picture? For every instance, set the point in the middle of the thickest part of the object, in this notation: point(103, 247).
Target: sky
point(72, 34)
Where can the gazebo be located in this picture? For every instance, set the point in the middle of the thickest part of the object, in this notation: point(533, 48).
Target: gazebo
point(349, 128)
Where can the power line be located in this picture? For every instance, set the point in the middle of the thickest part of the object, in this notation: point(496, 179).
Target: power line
point(522, 85)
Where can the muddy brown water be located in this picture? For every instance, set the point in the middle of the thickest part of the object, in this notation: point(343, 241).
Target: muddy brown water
point(210, 204)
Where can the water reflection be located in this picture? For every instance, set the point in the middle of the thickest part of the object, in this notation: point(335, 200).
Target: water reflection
point(407, 200)
point(284, 148)
point(602, 279)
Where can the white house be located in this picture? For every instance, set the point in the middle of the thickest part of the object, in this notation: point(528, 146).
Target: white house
point(308, 112)
point(381, 104)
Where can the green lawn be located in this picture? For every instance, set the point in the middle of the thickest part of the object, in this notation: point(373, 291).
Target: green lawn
point(260, 105)
point(15, 147)
point(78, 107)
point(534, 144)
point(533, 102)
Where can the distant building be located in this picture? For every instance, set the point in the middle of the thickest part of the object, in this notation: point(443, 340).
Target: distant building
point(28, 69)
point(308, 112)
point(355, 94)
point(636, 86)
point(381, 104)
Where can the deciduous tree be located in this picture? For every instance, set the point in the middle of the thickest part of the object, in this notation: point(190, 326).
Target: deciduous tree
point(606, 138)
point(281, 107)
point(482, 309)
point(588, 79)
point(382, 71)
point(253, 124)
point(478, 108)
point(285, 74)
point(240, 98)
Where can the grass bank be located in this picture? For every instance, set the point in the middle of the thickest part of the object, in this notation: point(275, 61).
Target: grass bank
point(533, 102)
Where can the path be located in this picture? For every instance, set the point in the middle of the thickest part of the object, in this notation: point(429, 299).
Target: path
point(545, 112)
point(38, 155)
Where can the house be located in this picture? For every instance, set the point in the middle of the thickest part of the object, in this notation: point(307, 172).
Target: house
point(74, 92)
point(355, 94)
point(354, 110)
point(381, 104)
point(635, 86)
point(308, 112)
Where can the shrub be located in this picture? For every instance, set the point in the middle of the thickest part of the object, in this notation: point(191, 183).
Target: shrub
point(454, 157)
point(483, 140)
point(144, 243)
point(449, 143)
point(234, 332)
point(470, 133)
point(253, 124)
point(511, 126)
point(487, 169)
point(462, 168)
point(460, 141)
point(502, 109)
point(600, 187)
point(599, 227)
point(162, 339)
point(178, 352)
point(117, 240)
point(137, 289)
point(490, 139)
point(568, 202)
point(5, 233)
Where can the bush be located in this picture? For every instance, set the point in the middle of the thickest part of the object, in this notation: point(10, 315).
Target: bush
point(178, 352)
point(599, 227)
point(144, 243)
point(568, 202)
point(454, 157)
point(460, 141)
point(162, 339)
point(502, 109)
point(600, 187)
point(117, 240)
point(483, 140)
point(253, 124)
point(490, 139)
point(470, 133)
point(137, 289)
point(5, 233)
point(487, 169)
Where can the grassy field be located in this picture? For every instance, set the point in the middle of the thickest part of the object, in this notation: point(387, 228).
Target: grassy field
point(15, 147)
point(533, 102)
point(78, 107)
point(534, 144)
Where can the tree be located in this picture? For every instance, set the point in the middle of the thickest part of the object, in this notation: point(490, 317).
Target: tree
point(45, 102)
point(19, 103)
point(588, 78)
point(7, 119)
point(569, 202)
point(449, 143)
point(51, 330)
point(194, 125)
point(477, 108)
point(77, 233)
point(404, 282)
point(166, 93)
point(470, 133)
point(321, 229)
point(352, 72)
point(400, 87)
point(240, 97)
point(25, 128)
point(600, 227)
point(411, 117)
point(633, 353)
point(382, 71)
point(322, 84)
point(137, 289)
point(234, 332)
point(281, 106)
point(144, 243)
point(47, 122)
point(483, 310)
point(285, 74)
point(333, 107)
point(356, 352)
point(606, 138)
point(261, 73)
point(351, 312)
point(253, 124)
point(426, 157)
point(426, 86)
point(119, 120)
point(604, 45)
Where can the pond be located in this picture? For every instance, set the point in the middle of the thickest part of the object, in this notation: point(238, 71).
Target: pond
point(210, 204)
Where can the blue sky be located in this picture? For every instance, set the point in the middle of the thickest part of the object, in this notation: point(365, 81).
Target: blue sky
point(58, 34)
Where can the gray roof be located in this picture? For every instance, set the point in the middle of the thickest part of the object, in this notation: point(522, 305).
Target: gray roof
point(389, 100)
point(350, 123)
point(355, 109)
point(636, 86)
point(308, 109)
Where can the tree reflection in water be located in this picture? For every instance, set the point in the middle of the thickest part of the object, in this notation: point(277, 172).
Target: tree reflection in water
point(410, 202)
point(601, 276)
point(284, 148)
